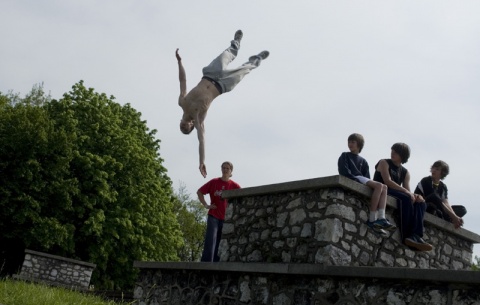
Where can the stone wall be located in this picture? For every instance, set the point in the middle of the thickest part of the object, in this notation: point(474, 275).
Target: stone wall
point(295, 223)
point(300, 284)
point(305, 242)
point(55, 270)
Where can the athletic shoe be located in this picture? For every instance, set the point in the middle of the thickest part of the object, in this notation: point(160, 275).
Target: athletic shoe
point(421, 240)
point(383, 223)
point(418, 243)
point(238, 36)
point(261, 55)
point(379, 231)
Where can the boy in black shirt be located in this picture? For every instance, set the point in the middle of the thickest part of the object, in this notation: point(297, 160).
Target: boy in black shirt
point(411, 206)
point(435, 193)
point(352, 166)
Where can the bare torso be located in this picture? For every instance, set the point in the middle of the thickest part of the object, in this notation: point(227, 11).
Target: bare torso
point(196, 103)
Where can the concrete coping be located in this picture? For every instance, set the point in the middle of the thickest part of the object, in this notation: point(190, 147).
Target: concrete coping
point(346, 184)
point(60, 258)
point(449, 276)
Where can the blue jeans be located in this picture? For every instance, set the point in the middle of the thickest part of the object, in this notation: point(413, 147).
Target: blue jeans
point(411, 214)
point(212, 239)
point(228, 79)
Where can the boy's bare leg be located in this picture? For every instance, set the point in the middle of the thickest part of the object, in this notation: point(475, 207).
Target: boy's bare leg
point(378, 204)
point(378, 199)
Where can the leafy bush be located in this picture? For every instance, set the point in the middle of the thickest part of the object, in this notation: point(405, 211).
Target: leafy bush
point(82, 177)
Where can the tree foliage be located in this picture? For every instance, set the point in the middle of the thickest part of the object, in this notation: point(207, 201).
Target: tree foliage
point(82, 177)
point(476, 264)
point(192, 219)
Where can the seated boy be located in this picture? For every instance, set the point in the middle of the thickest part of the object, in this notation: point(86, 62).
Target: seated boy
point(355, 167)
point(435, 193)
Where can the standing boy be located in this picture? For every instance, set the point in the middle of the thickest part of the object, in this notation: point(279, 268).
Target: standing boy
point(217, 208)
point(353, 166)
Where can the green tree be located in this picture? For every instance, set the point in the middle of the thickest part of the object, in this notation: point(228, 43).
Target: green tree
point(33, 178)
point(476, 264)
point(90, 183)
point(191, 215)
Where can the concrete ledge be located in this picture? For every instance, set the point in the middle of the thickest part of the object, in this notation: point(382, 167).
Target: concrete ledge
point(346, 184)
point(60, 258)
point(299, 185)
point(447, 276)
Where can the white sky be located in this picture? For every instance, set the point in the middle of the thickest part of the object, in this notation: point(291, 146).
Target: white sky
point(394, 71)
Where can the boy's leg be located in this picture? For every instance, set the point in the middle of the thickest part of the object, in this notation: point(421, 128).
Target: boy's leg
point(214, 69)
point(210, 238)
point(405, 208)
point(375, 201)
point(230, 78)
point(377, 206)
point(418, 215)
point(216, 257)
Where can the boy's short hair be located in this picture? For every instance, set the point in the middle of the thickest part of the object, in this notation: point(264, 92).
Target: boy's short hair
point(444, 168)
point(403, 150)
point(357, 138)
point(184, 129)
point(230, 165)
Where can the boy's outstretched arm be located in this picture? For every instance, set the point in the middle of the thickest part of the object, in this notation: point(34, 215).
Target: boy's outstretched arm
point(201, 146)
point(181, 75)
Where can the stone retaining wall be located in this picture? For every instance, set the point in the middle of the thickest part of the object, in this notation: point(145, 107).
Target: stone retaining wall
point(55, 270)
point(300, 284)
point(305, 242)
point(323, 221)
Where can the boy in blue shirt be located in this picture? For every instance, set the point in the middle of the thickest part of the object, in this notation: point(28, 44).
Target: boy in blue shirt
point(355, 167)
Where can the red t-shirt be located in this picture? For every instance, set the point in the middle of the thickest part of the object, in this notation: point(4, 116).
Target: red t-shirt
point(214, 188)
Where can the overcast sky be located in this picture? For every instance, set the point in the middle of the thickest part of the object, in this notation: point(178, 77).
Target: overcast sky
point(394, 71)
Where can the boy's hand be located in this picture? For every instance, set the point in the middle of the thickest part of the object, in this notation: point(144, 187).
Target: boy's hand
point(178, 55)
point(203, 170)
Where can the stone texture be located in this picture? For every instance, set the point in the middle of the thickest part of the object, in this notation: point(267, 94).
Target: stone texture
point(156, 287)
point(316, 218)
point(55, 270)
point(320, 226)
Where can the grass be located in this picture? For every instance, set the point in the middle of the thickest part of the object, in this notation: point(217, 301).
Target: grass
point(14, 292)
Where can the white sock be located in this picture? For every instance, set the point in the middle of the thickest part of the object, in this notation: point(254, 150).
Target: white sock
point(373, 216)
point(381, 213)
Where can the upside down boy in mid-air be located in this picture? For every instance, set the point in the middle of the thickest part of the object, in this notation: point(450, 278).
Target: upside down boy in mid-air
point(215, 81)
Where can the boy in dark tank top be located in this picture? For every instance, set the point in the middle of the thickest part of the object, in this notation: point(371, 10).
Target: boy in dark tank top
point(411, 206)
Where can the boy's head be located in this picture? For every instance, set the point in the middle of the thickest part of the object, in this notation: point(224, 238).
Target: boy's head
point(227, 168)
point(402, 150)
point(357, 138)
point(442, 167)
point(186, 127)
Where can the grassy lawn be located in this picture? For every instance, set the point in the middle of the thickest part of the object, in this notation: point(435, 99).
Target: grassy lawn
point(22, 293)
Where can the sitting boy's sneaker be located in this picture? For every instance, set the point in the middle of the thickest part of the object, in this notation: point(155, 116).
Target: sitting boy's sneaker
point(238, 35)
point(418, 243)
point(383, 223)
point(379, 231)
point(261, 55)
